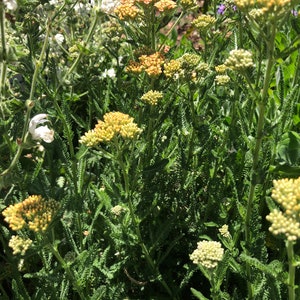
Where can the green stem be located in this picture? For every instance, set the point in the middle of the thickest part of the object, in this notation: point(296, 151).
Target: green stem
point(145, 250)
point(29, 102)
point(291, 278)
point(3, 57)
point(68, 270)
point(262, 102)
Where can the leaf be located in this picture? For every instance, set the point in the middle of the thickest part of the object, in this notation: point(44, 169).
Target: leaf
point(288, 149)
point(198, 294)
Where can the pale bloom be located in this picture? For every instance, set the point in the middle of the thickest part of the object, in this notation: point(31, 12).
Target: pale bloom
point(10, 4)
point(42, 132)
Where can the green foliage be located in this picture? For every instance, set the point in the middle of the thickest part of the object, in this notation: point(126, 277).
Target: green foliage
point(132, 210)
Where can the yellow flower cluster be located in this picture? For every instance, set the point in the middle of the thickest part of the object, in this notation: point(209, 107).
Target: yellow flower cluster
point(204, 22)
point(115, 123)
point(239, 59)
point(34, 212)
point(152, 97)
point(172, 69)
point(224, 231)
point(265, 5)
point(188, 4)
point(221, 68)
point(19, 245)
point(127, 10)
point(222, 79)
point(286, 192)
point(151, 64)
point(207, 254)
point(165, 5)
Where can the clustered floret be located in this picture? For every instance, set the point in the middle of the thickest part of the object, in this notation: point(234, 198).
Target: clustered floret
point(114, 124)
point(286, 192)
point(35, 212)
point(208, 254)
point(239, 59)
point(19, 244)
point(152, 97)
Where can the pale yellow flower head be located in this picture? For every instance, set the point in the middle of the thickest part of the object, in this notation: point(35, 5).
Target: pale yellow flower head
point(239, 59)
point(114, 124)
point(152, 97)
point(204, 22)
point(286, 192)
point(19, 245)
point(208, 254)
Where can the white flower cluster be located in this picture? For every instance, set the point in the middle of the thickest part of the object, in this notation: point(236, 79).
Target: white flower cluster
point(207, 254)
point(42, 132)
point(239, 59)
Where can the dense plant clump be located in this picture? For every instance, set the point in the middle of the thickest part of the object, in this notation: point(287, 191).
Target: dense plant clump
point(150, 149)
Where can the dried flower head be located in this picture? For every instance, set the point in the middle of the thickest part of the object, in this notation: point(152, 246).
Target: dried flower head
point(114, 124)
point(19, 245)
point(239, 60)
point(34, 212)
point(152, 97)
point(286, 192)
point(117, 210)
point(207, 254)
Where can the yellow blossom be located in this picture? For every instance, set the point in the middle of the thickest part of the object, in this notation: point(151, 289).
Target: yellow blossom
point(35, 212)
point(115, 123)
point(239, 59)
point(164, 5)
point(126, 10)
point(152, 97)
point(204, 22)
point(222, 79)
point(173, 69)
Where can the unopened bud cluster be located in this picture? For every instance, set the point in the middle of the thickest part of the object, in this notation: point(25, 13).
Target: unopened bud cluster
point(286, 192)
point(35, 212)
point(239, 59)
point(224, 231)
point(114, 124)
point(208, 254)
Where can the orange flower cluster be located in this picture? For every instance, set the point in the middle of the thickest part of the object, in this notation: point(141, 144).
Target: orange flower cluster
point(115, 123)
point(151, 64)
point(127, 10)
point(34, 212)
point(164, 5)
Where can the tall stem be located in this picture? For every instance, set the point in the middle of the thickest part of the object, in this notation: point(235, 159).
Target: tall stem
point(291, 280)
point(29, 102)
point(262, 102)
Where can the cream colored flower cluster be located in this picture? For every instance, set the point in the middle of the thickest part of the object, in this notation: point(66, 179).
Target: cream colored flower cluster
point(19, 245)
point(239, 59)
point(208, 254)
point(286, 192)
point(35, 212)
point(114, 124)
point(152, 97)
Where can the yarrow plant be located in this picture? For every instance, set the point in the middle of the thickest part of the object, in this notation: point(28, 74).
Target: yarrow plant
point(132, 129)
